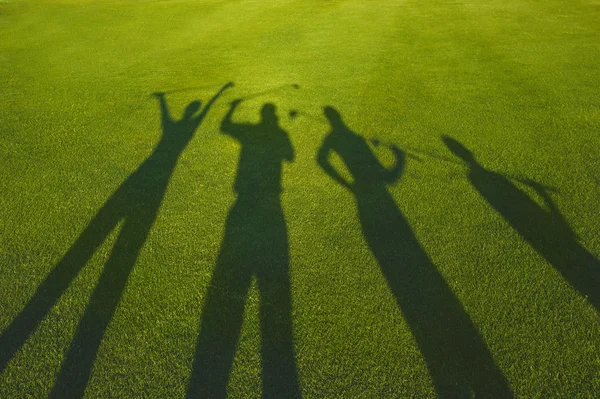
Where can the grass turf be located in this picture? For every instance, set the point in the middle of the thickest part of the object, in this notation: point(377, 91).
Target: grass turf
point(515, 82)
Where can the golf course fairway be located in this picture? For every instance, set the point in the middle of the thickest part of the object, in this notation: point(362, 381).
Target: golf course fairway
point(289, 198)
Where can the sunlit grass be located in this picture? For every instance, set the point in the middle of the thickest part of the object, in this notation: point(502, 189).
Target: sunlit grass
point(514, 81)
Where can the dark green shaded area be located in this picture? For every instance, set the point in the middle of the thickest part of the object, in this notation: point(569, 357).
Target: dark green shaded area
point(255, 245)
point(456, 356)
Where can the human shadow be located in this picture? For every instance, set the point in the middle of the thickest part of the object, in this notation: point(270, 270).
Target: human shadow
point(545, 229)
point(255, 244)
point(135, 203)
point(458, 360)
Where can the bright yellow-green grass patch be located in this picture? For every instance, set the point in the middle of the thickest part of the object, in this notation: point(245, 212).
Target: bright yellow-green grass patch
point(514, 81)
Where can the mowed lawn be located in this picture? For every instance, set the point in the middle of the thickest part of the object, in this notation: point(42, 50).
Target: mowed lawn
point(414, 213)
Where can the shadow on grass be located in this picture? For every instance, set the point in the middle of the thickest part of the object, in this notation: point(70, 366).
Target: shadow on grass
point(255, 245)
point(545, 229)
point(458, 359)
point(136, 203)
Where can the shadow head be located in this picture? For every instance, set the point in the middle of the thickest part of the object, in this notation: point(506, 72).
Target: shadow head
point(458, 149)
point(333, 116)
point(191, 109)
point(268, 114)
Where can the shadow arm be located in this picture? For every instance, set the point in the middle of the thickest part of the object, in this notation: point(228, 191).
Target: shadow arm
point(290, 154)
point(393, 174)
point(227, 125)
point(323, 161)
point(542, 191)
point(210, 102)
point(164, 108)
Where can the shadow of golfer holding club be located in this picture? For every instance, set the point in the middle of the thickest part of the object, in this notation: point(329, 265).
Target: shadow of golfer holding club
point(546, 230)
point(135, 203)
point(457, 358)
point(255, 244)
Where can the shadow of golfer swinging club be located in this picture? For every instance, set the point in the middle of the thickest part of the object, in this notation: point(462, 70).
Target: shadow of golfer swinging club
point(546, 230)
point(254, 244)
point(136, 203)
point(457, 358)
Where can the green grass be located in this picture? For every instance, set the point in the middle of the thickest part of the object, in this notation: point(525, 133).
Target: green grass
point(455, 257)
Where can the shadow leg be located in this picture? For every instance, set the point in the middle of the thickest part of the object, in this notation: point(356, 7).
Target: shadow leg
point(77, 367)
point(457, 357)
point(280, 377)
point(220, 327)
point(59, 279)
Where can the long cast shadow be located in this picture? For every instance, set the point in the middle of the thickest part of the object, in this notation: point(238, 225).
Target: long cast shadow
point(546, 230)
point(255, 244)
point(458, 359)
point(136, 203)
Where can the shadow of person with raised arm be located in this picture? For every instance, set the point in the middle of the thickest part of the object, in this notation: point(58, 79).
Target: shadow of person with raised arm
point(255, 244)
point(135, 203)
point(456, 356)
point(545, 229)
